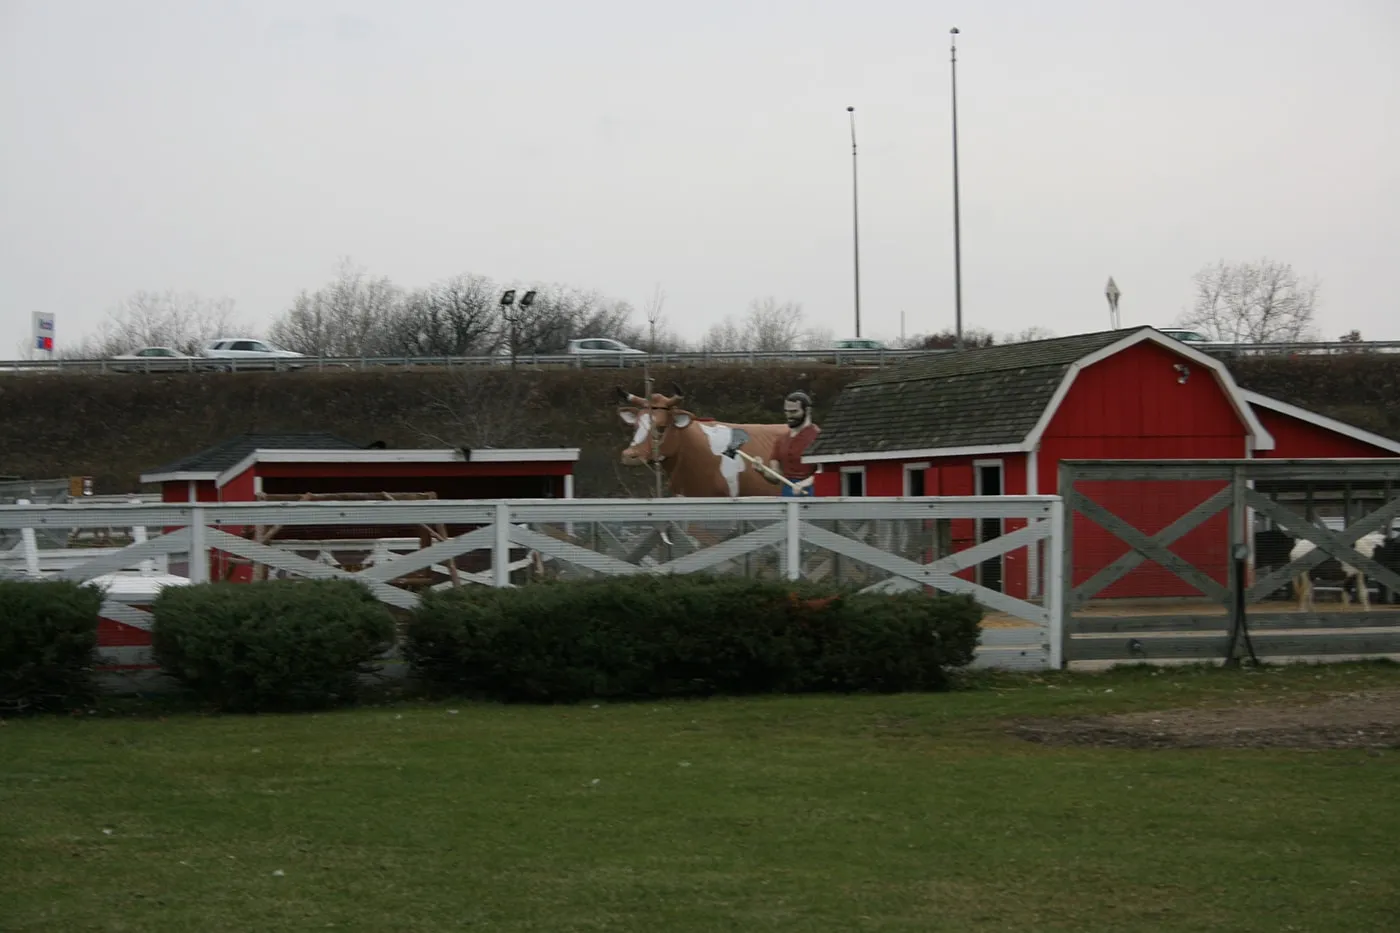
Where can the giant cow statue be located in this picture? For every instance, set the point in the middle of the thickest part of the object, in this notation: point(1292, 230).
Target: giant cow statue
point(691, 451)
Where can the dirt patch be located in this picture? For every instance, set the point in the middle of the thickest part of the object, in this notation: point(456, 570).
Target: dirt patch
point(1352, 720)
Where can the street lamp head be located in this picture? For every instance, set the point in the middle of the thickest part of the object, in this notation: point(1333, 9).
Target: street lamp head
point(508, 297)
point(527, 299)
point(953, 31)
point(850, 110)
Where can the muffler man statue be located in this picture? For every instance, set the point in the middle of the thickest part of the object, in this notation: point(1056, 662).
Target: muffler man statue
point(788, 449)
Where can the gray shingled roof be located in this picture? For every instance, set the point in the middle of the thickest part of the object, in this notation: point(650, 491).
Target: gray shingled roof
point(223, 455)
point(992, 395)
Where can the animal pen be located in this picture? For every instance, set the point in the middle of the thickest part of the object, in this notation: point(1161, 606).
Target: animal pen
point(1190, 560)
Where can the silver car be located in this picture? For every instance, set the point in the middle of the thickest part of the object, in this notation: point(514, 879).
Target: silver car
point(601, 350)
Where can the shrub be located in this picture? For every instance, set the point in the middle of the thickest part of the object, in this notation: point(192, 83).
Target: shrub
point(270, 645)
point(904, 641)
point(643, 636)
point(48, 643)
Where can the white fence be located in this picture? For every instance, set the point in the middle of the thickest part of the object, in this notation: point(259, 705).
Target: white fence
point(398, 549)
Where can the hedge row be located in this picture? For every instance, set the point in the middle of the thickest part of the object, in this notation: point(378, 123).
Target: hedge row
point(685, 636)
point(277, 644)
point(297, 644)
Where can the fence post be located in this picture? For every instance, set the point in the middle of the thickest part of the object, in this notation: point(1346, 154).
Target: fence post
point(500, 551)
point(29, 544)
point(794, 539)
point(199, 550)
point(1062, 561)
point(1055, 584)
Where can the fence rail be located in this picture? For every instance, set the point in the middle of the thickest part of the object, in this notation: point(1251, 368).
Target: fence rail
point(400, 549)
point(748, 357)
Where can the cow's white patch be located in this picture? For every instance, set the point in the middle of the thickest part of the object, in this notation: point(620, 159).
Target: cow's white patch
point(643, 428)
point(720, 436)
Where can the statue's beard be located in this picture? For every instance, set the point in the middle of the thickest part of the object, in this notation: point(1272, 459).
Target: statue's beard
point(795, 421)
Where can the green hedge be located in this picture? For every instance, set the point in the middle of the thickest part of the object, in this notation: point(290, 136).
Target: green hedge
point(48, 643)
point(644, 636)
point(279, 644)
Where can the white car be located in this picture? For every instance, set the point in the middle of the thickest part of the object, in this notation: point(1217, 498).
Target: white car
point(602, 349)
point(1198, 340)
point(247, 352)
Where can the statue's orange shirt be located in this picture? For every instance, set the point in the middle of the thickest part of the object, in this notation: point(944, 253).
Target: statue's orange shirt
point(788, 452)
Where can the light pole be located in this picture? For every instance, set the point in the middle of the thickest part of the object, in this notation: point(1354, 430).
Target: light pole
point(855, 212)
point(1112, 292)
point(957, 215)
point(508, 302)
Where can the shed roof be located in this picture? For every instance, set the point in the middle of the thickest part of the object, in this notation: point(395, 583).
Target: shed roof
point(210, 462)
point(982, 397)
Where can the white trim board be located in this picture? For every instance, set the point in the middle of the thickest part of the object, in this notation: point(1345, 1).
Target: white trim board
point(1321, 421)
point(923, 453)
point(452, 455)
point(178, 477)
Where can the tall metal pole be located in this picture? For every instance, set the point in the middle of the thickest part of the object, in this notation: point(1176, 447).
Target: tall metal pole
point(855, 212)
point(957, 213)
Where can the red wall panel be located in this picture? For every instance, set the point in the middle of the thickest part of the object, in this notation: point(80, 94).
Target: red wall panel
point(1295, 439)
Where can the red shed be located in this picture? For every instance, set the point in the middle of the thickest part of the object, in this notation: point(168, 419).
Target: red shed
point(998, 420)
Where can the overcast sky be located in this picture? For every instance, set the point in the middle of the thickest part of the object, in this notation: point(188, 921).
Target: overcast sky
point(239, 148)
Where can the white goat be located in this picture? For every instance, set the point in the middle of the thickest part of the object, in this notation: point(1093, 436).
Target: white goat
point(1302, 581)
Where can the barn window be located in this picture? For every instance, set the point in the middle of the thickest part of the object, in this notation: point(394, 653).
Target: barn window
point(853, 481)
point(990, 482)
point(914, 484)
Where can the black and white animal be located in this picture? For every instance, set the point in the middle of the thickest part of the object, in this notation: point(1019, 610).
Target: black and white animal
point(1302, 581)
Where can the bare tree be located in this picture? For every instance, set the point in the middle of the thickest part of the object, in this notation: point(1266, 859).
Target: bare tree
point(767, 325)
point(350, 316)
point(183, 321)
point(727, 336)
point(458, 317)
point(774, 325)
point(479, 408)
point(560, 314)
point(817, 338)
point(654, 317)
point(1029, 335)
point(973, 338)
point(1257, 302)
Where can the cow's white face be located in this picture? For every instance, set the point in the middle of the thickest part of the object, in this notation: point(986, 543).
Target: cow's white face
point(660, 424)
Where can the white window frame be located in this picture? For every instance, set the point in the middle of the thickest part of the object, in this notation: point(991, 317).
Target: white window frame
point(909, 470)
point(977, 467)
point(845, 483)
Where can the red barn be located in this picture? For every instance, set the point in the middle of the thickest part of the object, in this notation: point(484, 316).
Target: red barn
point(241, 468)
point(998, 420)
point(286, 466)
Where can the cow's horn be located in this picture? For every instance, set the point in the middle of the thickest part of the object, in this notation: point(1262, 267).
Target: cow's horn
point(624, 394)
point(675, 387)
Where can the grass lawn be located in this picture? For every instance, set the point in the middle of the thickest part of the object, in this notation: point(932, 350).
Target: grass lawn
point(909, 812)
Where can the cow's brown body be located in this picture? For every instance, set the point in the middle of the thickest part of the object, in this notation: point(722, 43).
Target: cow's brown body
point(690, 451)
